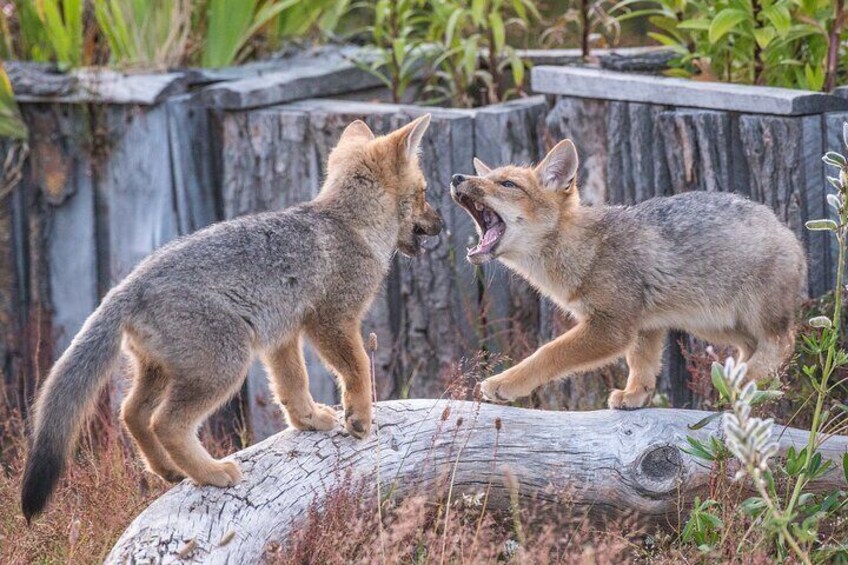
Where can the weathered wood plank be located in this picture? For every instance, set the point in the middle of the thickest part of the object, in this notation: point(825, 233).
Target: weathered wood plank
point(697, 150)
point(70, 231)
point(584, 122)
point(96, 85)
point(612, 465)
point(18, 382)
point(194, 163)
point(325, 72)
point(620, 189)
point(600, 84)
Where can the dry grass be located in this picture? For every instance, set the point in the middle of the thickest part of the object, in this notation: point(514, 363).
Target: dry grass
point(103, 490)
point(415, 529)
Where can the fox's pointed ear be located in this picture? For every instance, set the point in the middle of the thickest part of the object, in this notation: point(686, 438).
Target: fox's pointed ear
point(357, 131)
point(482, 168)
point(559, 167)
point(409, 136)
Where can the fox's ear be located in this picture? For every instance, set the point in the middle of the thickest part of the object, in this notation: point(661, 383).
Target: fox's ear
point(357, 130)
point(409, 136)
point(482, 168)
point(559, 167)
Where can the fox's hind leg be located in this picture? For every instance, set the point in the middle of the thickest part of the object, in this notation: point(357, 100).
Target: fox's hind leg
point(644, 359)
point(136, 412)
point(769, 356)
point(215, 374)
point(290, 381)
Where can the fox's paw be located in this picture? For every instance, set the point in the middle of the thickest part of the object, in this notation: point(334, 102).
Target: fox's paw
point(493, 391)
point(322, 418)
point(220, 474)
point(624, 400)
point(358, 422)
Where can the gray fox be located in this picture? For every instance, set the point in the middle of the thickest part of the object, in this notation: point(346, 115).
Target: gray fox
point(194, 313)
point(713, 264)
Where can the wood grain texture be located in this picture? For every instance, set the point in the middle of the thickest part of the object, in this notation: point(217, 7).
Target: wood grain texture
point(651, 89)
point(615, 463)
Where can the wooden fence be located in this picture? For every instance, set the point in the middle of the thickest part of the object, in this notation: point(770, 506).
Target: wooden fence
point(109, 180)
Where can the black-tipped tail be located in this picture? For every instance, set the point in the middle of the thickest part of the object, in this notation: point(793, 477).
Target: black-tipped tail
point(43, 469)
point(66, 399)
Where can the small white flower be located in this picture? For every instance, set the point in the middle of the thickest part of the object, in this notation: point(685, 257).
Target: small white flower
point(748, 439)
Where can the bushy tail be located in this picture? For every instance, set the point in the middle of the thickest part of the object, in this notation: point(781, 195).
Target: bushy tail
point(67, 398)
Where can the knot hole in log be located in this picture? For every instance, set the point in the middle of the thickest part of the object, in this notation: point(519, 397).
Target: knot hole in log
point(659, 470)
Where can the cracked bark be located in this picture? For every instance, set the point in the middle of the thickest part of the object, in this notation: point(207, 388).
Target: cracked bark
point(614, 463)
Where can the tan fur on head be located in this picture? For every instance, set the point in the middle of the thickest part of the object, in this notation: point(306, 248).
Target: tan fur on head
point(374, 174)
point(534, 202)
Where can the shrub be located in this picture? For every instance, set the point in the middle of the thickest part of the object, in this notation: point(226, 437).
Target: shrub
point(788, 43)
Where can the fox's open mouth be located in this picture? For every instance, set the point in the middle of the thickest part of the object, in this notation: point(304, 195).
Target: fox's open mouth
point(489, 224)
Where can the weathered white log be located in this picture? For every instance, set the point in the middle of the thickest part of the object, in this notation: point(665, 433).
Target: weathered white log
point(613, 463)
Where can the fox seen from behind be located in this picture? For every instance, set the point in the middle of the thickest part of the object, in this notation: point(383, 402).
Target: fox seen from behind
point(716, 265)
point(195, 313)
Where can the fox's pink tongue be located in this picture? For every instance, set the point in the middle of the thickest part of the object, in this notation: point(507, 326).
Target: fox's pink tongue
point(488, 241)
point(490, 237)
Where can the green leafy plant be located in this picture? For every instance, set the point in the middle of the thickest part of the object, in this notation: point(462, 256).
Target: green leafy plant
point(789, 43)
point(145, 32)
point(230, 26)
point(11, 123)
point(396, 30)
point(462, 30)
point(52, 30)
point(703, 528)
point(583, 18)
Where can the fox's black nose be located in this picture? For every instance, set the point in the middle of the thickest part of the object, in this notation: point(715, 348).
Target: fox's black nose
point(457, 180)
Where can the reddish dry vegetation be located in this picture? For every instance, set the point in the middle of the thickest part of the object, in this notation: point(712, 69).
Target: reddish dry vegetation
point(104, 488)
point(426, 528)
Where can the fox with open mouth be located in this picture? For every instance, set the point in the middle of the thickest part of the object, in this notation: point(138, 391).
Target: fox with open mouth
point(716, 265)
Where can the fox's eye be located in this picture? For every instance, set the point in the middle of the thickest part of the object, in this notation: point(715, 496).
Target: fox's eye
point(507, 184)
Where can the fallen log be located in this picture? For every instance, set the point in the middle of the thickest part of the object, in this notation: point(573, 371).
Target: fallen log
point(613, 463)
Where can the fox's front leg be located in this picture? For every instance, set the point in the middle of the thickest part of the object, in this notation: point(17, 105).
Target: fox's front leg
point(586, 346)
point(341, 347)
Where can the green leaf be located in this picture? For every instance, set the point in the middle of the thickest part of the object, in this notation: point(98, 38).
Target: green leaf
point(700, 24)
point(822, 225)
point(754, 506)
point(835, 159)
point(717, 376)
point(764, 35)
point(11, 123)
point(845, 466)
point(779, 17)
point(698, 449)
point(724, 22)
point(498, 31)
point(704, 421)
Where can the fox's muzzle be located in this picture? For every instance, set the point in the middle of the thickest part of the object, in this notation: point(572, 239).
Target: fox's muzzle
point(431, 223)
